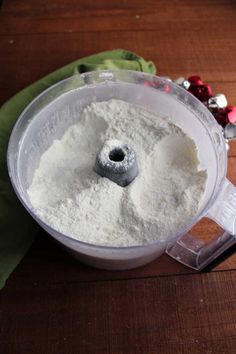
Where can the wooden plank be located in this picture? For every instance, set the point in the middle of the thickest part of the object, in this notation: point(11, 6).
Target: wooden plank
point(232, 170)
point(6, 94)
point(187, 8)
point(25, 6)
point(59, 20)
point(30, 57)
point(183, 314)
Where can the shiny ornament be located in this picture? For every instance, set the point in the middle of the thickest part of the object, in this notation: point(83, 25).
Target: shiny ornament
point(195, 80)
point(202, 92)
point(217, 101)
point(220, 115)
point(232, 114)
point(181, 81)
point(224, 115)
point(230, 132)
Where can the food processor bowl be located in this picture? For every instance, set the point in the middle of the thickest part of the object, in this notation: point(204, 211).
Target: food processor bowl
point(50, 114)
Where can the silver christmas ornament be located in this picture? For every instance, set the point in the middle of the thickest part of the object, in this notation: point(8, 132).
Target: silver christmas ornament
point(181, 81)
point(218, 101)
point(230, 132)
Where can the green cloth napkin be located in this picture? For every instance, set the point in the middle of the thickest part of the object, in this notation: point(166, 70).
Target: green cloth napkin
point(17, 228)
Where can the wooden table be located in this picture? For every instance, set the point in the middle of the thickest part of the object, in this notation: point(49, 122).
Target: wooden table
point(54, 304)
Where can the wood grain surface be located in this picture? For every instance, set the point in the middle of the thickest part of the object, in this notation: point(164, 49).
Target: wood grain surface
point(54, 304)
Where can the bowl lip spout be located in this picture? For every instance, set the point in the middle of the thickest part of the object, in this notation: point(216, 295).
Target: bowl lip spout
point(102, 77)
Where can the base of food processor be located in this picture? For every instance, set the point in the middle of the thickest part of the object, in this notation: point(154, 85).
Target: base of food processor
point(194, 253)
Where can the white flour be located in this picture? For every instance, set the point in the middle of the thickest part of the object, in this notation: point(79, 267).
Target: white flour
point(68, 195)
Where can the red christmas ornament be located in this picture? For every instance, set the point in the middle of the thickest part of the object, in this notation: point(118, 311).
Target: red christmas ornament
point(202, 92)
point(221, 116)
point(225, 115)
point(232, 114)
point(195, 80)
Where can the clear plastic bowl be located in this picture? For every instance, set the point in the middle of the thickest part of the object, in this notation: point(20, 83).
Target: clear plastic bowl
point(52, 112)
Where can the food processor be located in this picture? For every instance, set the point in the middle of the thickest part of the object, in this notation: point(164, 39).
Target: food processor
point(50, 114)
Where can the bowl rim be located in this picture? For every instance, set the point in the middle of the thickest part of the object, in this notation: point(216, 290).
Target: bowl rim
point(112, 73)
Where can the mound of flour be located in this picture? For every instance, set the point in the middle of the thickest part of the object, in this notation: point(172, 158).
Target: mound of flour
point(69, 196)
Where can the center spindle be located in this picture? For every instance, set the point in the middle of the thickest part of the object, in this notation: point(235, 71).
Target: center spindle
point(117, 161)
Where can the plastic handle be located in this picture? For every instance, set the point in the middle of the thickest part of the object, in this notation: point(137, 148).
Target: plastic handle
point(193, 252)
point(223, 211)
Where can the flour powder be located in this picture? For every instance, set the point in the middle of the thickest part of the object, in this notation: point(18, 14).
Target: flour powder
point(69, 196)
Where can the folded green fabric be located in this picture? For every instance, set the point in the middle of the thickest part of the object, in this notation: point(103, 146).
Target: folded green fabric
point(17, 228)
